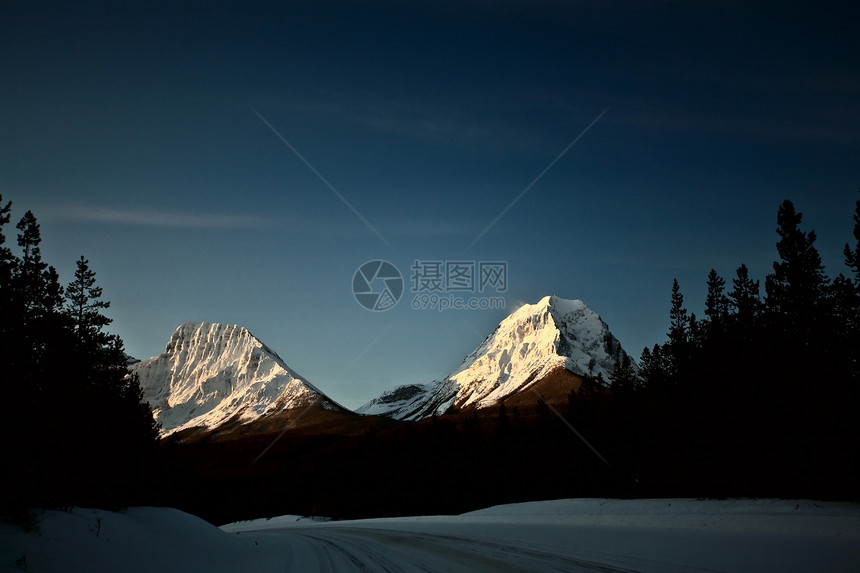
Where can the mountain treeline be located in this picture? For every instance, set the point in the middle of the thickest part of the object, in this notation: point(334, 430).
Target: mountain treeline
point(74, 429)
point(760, 395)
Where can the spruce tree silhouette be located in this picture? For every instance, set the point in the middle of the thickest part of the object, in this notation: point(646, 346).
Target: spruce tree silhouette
point(73, 426)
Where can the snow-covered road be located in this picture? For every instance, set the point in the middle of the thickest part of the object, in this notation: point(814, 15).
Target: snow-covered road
point(665, 535)
point(329, 550)
point(371, 550)
point(577, 535)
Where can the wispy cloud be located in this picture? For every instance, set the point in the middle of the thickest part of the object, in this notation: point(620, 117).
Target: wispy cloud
point(465, 126)
point(449, 129)
point(157, 218)
point(308, 224)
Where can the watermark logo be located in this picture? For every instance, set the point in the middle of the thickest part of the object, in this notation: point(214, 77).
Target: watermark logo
point(435, 284)
point(459, 276)
point(377, 285)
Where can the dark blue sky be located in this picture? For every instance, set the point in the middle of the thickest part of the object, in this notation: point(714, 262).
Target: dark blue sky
point(131, 132)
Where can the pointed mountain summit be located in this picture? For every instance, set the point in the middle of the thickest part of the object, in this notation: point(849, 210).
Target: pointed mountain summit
point(211, 374)
point(530, 345)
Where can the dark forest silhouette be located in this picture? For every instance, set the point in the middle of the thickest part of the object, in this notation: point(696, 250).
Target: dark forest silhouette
point(73, 427)
point(761, 393)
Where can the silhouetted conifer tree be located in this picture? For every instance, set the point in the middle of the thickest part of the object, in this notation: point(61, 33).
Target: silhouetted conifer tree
point(623, 379)
point(36, 283)
point(797, 289)
point(716, 303)
point(7, 312)
point(678, 346)
point(852, 254)
point(7, 260)
point(84, 304)
point(744, 300)
point(846, 299)
point(847, 293)
point(696, 334)
point(653, 368)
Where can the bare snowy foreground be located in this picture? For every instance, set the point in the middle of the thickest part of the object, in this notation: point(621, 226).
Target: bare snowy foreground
point(563, 535)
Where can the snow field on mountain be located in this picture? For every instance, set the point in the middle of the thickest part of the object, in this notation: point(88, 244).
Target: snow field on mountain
point(210, 373)
point(396, 400)
point(561, 535)
point(523, 345)
point(531, 342)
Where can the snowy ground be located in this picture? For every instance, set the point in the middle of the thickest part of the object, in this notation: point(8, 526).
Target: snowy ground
point(564, 535)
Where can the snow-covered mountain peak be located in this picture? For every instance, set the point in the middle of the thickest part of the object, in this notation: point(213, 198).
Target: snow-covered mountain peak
point(530, 343)
point(222, 342)
point(563, 306)
point(210, 373)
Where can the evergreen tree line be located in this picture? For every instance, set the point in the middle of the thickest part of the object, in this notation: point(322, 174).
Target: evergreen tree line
point(805, 317)
point(74, 429)
point(759, 396)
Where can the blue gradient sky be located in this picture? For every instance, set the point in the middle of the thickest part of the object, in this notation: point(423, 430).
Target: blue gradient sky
point(131, 134)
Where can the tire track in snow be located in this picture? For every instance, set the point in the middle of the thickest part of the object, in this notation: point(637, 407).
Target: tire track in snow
point(381, 550)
